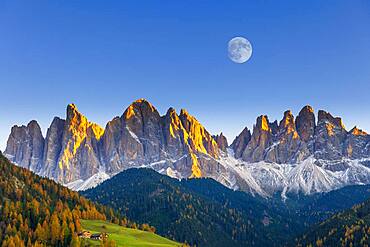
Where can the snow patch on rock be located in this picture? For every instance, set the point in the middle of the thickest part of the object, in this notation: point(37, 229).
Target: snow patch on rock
point(89, 183)
point(308, 176)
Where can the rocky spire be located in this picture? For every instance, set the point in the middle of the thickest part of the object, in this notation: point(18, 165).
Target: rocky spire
point(200, 139)
point(177, 144)
point(357, 132)
point(305, 123)
point(142, 108)
point(330, 135)
point(260, 140)
point(287, 146)
point(53, 146)
point(357, 144)
point(175, 134)
point(25, 146)
point(141, 136)
point(241, 142)
point(326, 117)
point(133, 136)
point(221, 141)
point(287, 125)
point(79, 139)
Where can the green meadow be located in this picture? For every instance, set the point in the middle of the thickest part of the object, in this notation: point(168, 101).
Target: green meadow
point(126, 236)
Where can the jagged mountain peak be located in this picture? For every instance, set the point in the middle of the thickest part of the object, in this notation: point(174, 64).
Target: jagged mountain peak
point(56, 119)
point(288, 113)
point(357, 132)
point(32, 127)
point(221, 141)
point(73, 112)
point(240, 142)
point(66, 141)
point(140, 107)
point(244, 131)
point(188, 120)
point(72, 106)
point(287, 126)
point(144, 104)
point(79, 124)
point(262, 123)
point(173, 123)
point(221, 134)
point(97, 131)
point(288, 120)
point(25, 145)
point(326, 117)
point(297, 138)
point(171, 110)
point(30, 124)
point(185, 115)
point(33, 124)
point(142, 101)
point(306, 109)
point(179, 145)
point(200, 139)
point(306, 123)
point(170, 114)
point(144, 137)
point(185, 132)
point(184, 112)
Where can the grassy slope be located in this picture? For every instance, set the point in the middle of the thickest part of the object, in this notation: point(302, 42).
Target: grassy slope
point(126, 236)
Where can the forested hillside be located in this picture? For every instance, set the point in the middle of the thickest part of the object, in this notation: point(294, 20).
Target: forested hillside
point(349, 228)
point(206, 213)
point(312, 209)
point(36, 211)
point(200, 212)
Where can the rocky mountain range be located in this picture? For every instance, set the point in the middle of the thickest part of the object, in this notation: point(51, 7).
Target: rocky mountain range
point(294, 155)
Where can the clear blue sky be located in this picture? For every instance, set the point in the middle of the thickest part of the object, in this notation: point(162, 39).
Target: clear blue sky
point(102, 55)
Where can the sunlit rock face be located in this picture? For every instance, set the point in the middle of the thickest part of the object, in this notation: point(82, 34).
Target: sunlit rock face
point(78, 157)
point(69, 151)
point(25, 146)
point(142, 137)
point(271, 142)
point(330, 135)
point(292, 155)
point(298, 155)
point(294, 140)
point(287, 146)
point(261, 138)
point(133, 137)
point(76, 148)
point(357, 144)
point(174, 133)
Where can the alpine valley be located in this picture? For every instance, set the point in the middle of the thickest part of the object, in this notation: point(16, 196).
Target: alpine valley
point(271, 187)
point(297, 155)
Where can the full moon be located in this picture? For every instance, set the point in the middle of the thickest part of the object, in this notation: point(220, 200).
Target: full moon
point(239, 50)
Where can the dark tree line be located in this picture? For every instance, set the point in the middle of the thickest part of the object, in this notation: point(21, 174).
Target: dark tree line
point(200, 212)
point(349, 228)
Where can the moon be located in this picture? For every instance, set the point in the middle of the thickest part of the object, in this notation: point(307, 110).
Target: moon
point(239, 50)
